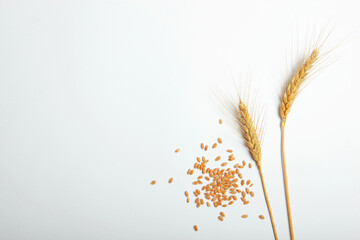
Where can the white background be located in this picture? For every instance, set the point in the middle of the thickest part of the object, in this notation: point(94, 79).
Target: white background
point(96, 95)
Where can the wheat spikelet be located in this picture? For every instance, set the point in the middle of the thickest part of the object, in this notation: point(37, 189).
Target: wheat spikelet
point(296, 82)
point(249, 132)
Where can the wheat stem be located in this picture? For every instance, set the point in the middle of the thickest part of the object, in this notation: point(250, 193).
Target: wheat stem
point(267, 202)
point(286, 181)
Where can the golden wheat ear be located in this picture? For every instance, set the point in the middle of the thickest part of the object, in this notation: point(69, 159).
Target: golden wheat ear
point(250, 126)
point(314, 57)
point(248, 130)
point(296, 83)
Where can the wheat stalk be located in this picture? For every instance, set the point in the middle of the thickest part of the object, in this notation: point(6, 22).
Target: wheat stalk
point(250, 133)
point(291, 91)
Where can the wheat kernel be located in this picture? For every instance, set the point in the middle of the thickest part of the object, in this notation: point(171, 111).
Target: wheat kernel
point(186, 193)
point(250, 165)
point(153, 182)
point(224, 164)
point(220, 218)
point(220, 121)
point(229, 150)
point(202, 146)
point(217, 158)
point(214, 145)
point(196, 228)
point(261, 217)
point(222, 214)
point(177, 150)
point(219, 140)
point(244, 216)
point(252, 194)
point(171, 180)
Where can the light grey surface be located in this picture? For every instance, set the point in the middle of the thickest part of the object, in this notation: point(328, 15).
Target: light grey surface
point(96, 95)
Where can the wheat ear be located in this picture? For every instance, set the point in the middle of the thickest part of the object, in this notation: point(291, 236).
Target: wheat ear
point(296, 83)
point(291, 91)
point(250, 135)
